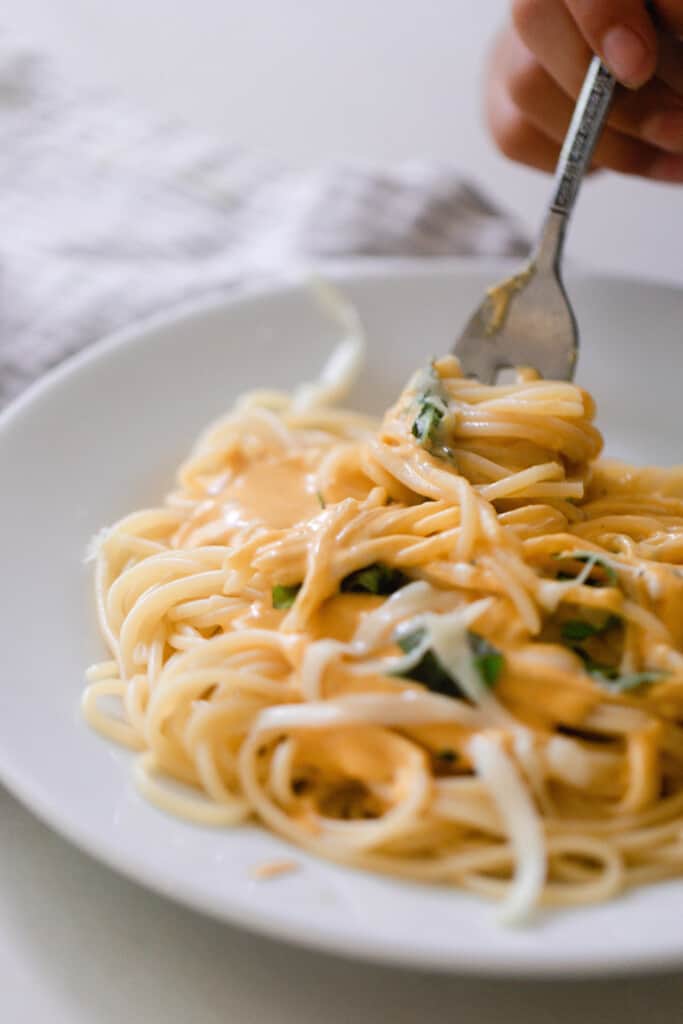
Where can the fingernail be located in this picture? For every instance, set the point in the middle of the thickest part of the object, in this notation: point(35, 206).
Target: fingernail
point(665, 130)
point(626, 55)
point(667, 168)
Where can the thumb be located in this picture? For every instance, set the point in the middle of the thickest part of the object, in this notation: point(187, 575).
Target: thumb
point(623, 33)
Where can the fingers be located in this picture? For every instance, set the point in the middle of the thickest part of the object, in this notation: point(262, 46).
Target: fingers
point(516, 137)
point(528, 115)
point(538, 69)
point(547, 29)
point(623, 33)
point(653, 113)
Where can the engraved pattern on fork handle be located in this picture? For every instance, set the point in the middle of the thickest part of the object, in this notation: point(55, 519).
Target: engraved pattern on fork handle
point(583, 133)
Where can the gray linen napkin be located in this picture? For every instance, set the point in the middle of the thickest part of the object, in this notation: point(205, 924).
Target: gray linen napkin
point(107, 215)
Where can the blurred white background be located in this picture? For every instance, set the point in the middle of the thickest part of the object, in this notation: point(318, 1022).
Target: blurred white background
point(312, 80)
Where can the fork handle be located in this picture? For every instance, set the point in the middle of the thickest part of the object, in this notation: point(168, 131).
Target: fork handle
point(583, 133)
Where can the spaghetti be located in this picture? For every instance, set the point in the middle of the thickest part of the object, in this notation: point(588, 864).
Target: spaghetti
point(447, 646)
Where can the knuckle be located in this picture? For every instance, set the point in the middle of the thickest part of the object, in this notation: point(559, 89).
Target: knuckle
point(623, 155)
point(526, 80)
point(638, 162)
point(509, 134)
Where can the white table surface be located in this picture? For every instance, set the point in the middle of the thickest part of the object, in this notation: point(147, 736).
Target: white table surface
point(79, 945)
point(304, 80)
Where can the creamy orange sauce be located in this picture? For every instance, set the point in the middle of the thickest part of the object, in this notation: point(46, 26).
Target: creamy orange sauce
point(525, 688)
point(339, 617)
point(276, 492)
point(500, 296)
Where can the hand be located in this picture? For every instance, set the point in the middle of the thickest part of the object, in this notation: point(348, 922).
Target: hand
point(538, 65)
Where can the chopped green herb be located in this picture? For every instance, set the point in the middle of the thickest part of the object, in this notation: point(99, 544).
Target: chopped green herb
point(284, 597)
point(321, 500)
point(374, 579)
point(429, 670)
point(487, 659)
point(432, 406)
point(447, 755)
point(429, 417)
point(592, 558)
point(576, 630)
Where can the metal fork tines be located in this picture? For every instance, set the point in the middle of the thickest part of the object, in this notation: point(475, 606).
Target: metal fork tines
point(527, 320)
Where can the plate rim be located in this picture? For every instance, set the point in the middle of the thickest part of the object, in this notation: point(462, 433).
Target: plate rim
point(256, 920)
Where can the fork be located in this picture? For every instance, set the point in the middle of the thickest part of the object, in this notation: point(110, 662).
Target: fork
point(527, 319)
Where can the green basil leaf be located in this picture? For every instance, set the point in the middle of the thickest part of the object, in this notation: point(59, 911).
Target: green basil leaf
point(374, 579)
point(430, 671)
point(487, 658)
point(576, 630)
point(432, 405)
point(426, 424)
point(284, 597)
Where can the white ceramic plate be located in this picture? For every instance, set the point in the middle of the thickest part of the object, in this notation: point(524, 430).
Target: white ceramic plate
point(103, 435)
